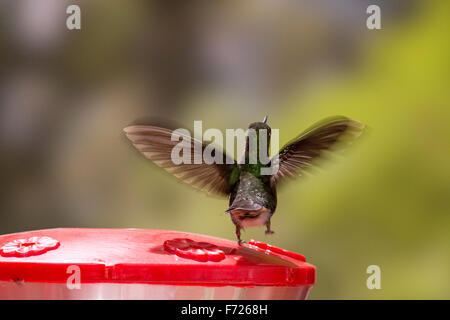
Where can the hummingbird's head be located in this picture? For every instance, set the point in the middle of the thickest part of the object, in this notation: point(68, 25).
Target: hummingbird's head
point(260, 125)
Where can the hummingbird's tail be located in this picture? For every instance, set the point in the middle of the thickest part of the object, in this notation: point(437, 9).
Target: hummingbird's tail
point(244, 205)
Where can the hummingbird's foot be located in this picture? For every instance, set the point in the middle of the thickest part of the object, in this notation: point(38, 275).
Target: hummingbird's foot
point(238, 235)
point(268, 231)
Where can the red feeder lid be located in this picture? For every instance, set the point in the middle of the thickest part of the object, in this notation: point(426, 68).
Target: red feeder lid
point(147, 256)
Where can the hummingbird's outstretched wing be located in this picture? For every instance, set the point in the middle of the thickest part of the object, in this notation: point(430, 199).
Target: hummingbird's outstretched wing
point(155, 143)
point(329, 134)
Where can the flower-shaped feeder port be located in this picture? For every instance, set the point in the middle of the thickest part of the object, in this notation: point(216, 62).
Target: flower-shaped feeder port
point(28, 247)
point(190, 249)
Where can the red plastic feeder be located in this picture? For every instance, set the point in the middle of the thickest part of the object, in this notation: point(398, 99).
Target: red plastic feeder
point(146, 264)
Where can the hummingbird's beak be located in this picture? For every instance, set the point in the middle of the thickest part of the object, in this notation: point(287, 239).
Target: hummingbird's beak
point(265, 119)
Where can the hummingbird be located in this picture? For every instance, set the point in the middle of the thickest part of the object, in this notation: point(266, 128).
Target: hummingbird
point(252, 195)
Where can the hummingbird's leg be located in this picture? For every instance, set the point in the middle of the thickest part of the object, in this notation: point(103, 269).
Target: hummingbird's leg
point(238, 235)
point(268, 231)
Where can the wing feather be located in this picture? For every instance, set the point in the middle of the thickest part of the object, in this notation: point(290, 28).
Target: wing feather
point(331, 134)
point(155, 143)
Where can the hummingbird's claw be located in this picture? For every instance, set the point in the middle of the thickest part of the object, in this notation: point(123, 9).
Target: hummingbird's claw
point(269, 232)
point(241, 242)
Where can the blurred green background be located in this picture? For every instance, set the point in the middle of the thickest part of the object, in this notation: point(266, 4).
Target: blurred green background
point(66, 95)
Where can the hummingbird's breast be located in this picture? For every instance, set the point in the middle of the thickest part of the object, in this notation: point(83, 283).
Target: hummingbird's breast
point(255, 189)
